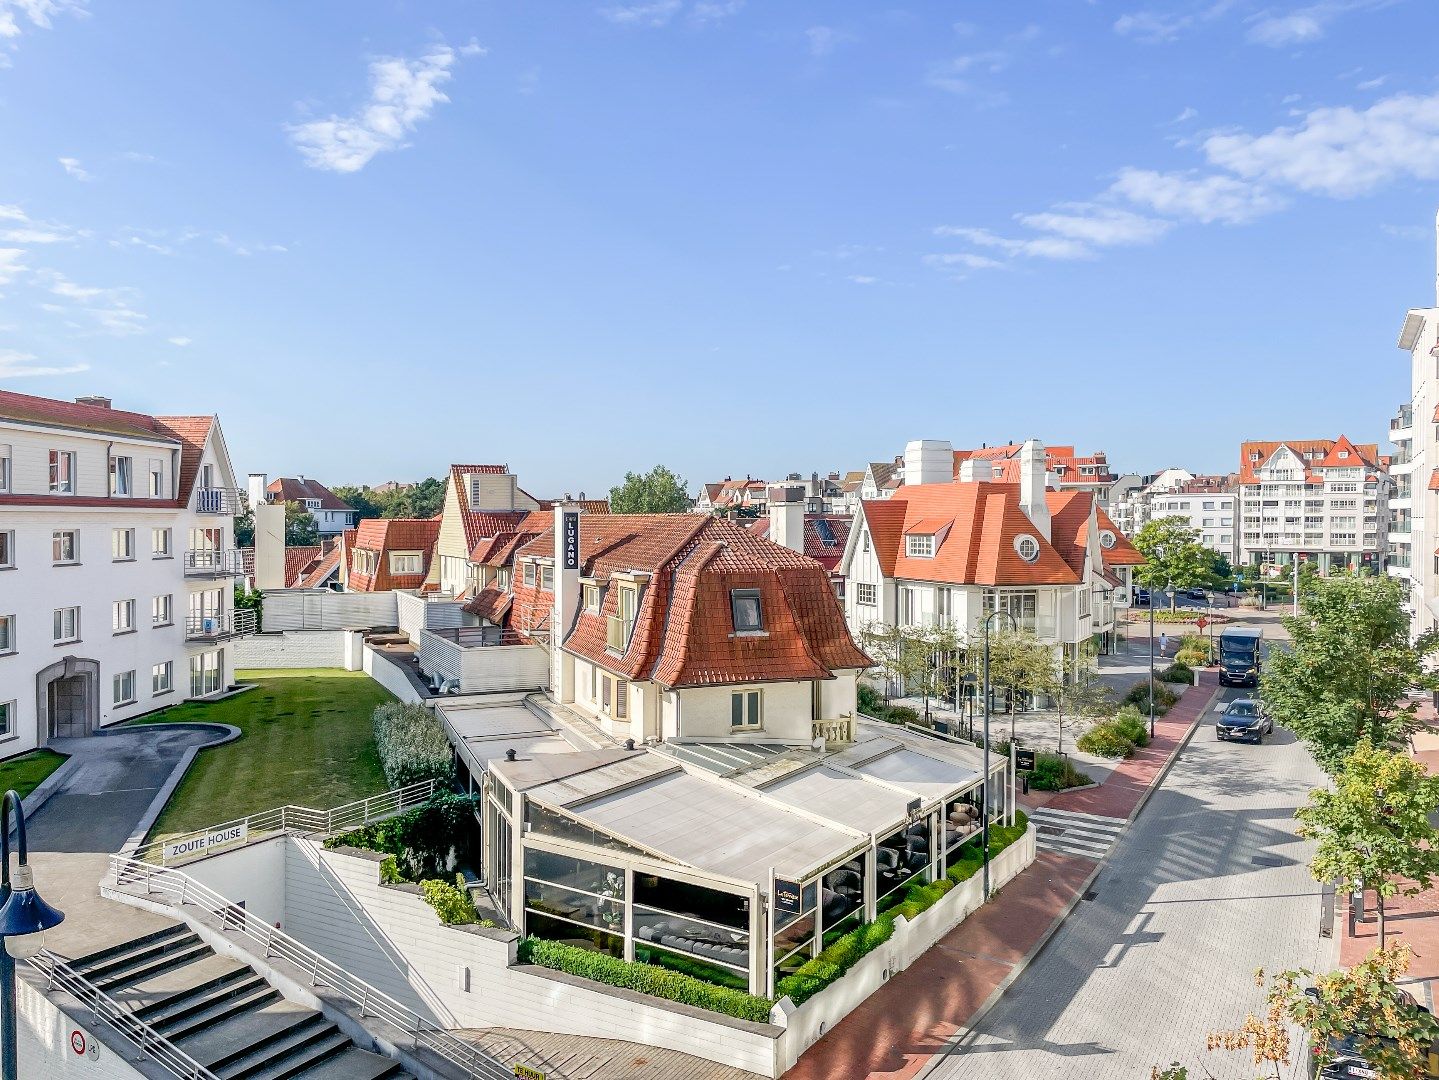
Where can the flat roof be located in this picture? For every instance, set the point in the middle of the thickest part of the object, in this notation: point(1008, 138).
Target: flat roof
point(485, 732)
point(843, 797)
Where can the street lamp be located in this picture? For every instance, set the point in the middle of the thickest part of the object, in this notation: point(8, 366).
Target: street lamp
point(24, 918)
point(984, 789)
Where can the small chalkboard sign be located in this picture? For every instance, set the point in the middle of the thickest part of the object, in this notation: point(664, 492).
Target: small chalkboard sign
point(1024, 760)
point(788, 896)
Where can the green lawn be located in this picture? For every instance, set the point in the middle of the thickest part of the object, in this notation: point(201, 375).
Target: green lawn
point(307, 739)
point(25, 773)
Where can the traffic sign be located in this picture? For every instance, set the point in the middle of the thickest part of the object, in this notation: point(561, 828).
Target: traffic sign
point(1201, 622)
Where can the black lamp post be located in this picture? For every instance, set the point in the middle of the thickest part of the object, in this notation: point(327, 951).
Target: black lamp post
point(984, 799)
point(24, 918)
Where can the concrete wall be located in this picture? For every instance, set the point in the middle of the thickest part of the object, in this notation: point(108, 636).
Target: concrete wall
point(414, 613)
point(389, 675)
point(785, 711)
point(324, 609)
point(253, 875)
point(44, 1041)
point(292, 649)
point(481, 669)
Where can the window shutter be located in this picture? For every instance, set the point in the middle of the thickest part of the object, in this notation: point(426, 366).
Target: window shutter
point(605, 694)
point(621, 698)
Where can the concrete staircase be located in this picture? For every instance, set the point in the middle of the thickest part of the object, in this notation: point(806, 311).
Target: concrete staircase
point(224, 1015)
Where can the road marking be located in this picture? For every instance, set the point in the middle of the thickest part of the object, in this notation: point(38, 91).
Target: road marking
point(1070, 832)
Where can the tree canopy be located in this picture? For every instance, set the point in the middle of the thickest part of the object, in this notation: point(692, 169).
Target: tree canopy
point(1173, 556)
point(658, 491)
point(422, 500)
point(301, 529)
point(1350, 669)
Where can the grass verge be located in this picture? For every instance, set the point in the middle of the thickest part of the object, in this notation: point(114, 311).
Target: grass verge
point(27, 772)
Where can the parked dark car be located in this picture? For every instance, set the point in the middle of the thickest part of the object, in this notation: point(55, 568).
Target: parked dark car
point(1348, 1063)
point(1244, 721)
point(1141, 597)
point(1194, 594)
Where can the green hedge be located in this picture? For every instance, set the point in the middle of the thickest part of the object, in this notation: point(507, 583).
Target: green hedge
point(831, 964)
point(1177, 672)
point(1106, 741)
point(1055, 773)
point(452, 903)
point(431, 841)
point(645, 979)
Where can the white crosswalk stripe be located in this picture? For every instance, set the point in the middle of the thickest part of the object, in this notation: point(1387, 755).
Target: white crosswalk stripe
point(1072, 833)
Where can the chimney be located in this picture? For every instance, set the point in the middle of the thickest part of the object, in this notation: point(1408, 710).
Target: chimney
point(1033, 476)
point(567, 599)
point(786, 517)
point(971, 469)
point(97, 401)
point(255, 488)
point(270, 546)
point(928, 461)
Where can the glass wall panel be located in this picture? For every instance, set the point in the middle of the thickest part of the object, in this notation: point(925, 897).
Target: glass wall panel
point(901, 857)
point(843, 892)
point(584, 937)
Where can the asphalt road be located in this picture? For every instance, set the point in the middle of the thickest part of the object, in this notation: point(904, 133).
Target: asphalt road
point(1208, 884)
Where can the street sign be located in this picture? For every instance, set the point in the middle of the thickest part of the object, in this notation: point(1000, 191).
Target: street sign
point(570, 556)
point(1201, 622)
point(1023, 760)
point(527, 1073)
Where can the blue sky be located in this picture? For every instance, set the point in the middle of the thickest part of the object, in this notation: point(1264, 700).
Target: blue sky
point(729, 236)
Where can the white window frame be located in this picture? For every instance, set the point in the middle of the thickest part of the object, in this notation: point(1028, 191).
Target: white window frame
point(122, 545)
point(4, 468)
point(62, 472)
point(162, 610)
point(9, 646)
point(122, 617)
point(7, 719)
point(60, 633)
point(919, 545)
point(750, 704)
point(162, 543)
point(57, 537)
point(866, 594)
point(7, 549)
point(122, 475)
point(407, 562)
point(162, 678)
point(122, 688)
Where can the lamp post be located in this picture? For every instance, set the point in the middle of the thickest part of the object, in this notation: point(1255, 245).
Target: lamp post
point(984, 798)
point(24, 918)
point(1151, 665)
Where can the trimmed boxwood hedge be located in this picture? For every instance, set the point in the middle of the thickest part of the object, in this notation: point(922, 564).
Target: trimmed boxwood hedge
point(831, 964)
point(645, 979)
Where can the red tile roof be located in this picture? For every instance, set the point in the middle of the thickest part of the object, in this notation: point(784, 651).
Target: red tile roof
point(1367, 454)
point(298, 489)
point(1123, 553)
point(827, 555)
point(383, 537)
point(492, 605)
point(684, 634)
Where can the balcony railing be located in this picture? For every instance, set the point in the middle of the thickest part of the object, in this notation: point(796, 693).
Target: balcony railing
point(219, 501)
point(226, 624)
point(206, 563)
point(617, 634)
point(1397, 560)
point(1404, 418)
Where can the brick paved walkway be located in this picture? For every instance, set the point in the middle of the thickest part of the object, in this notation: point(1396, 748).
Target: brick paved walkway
point(898, 1029)
point(895, 1033)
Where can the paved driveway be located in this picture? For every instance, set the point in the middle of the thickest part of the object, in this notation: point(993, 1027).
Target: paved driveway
point(98, 806)
point(1209, 884)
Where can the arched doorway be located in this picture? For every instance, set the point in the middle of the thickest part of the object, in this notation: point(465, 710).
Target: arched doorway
point(67, 699)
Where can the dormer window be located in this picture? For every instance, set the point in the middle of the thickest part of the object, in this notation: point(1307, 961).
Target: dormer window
point(1106, 538)
point(592, 598)
point(1254, 455)
point(1027, 547)
point(1343, 455)
point(745, 610)
point(920, 545)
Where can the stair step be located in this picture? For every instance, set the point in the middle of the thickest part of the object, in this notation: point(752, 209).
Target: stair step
point(217, 1012)
point(254, 1033)
point(190, 995)
point(82, 964)
point(320, 1053)
point(357, 1064)
point(152, 965)
point(306, 1046)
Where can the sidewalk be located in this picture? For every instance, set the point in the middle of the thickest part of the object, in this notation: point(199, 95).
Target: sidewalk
point(896, 1032)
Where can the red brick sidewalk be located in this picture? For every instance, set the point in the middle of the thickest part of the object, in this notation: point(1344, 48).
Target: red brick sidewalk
point(899, 1028)
point(1124, 789)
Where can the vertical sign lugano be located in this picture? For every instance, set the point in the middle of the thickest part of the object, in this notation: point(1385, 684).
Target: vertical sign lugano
point(572, 540)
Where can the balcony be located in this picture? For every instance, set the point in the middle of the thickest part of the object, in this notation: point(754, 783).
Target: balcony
point(1403, 420)
point(617, 634)
point(222, 563)
point(220, 626)
point(1397, 560)
point(226, 501)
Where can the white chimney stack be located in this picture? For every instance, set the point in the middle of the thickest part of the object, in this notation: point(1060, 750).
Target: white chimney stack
point(256, 488)
point(971, 469)
point(1033, 477)
point(269, 546)
point(786, 517)
point(928, 461)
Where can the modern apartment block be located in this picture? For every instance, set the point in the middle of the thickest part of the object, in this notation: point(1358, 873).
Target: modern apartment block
point(1325, 501)
point(1209, 505)
point(117, 566)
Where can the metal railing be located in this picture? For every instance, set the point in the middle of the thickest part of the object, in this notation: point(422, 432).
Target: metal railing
point(118, 1018)
point(184, 890)
point(296, 819)
point(225, 562)
point(221, 625)
point(220, 501)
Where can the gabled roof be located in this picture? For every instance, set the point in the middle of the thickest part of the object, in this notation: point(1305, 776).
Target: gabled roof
point(298, 489)
point(1367, 454)
point(385, 536)
point(1123, 553)
point(684, 633)
point(825, 536)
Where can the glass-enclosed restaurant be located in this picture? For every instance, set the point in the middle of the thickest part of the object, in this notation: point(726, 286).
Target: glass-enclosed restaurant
point(667, 855)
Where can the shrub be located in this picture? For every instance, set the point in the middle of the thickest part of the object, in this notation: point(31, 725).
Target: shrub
point(411, 744)
point(390, 871)
point(1177, 672)
point(870, 702)
point(1054, 773)
point(436, 838)
point(645, 979)
point(902, 714)
point(1129, 724)
point(452, 903)
point(1138, 696)
point(1105, 740)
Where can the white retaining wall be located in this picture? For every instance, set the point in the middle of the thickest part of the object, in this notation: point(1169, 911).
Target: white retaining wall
point(293, 649)
point(415, 613)
point(484, 669)
point(253, 876)
point(44, 1033)
point(389, 675)
point(324, 609)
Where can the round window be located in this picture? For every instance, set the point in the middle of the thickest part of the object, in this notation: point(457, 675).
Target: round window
point(1106, 539)
point(1027, 547)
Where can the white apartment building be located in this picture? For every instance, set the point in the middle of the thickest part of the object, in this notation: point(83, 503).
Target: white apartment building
point(1325, 501)
point(117, 566)
point(1208, 504)
point(946, 550)
point(1414, 431)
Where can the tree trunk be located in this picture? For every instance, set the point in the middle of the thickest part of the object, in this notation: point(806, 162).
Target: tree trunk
point(1059, 711)
point(1379, 907)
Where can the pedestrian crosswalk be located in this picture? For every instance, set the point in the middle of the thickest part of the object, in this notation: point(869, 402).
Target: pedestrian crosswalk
point(1071, 833)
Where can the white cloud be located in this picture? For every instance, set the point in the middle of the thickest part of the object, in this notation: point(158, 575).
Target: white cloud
point(19, 365)
point(1372, 84)
point(863, 279)
point(72, 168)
point(965, 259)
point(12, 213)
point(1185, 115)
point(402, 94)
point(1152, 27)
point(1340, 152)
point(110, 308)
point(10, 266)
point(181, 342)
point(1042, 247)
point(823, 40)
point(1101, 226)
point(956, 76)
point(710, 11)
point(654, 13)
point(224, 241)
point(1304, 25)
point(1205, 199)
point(28, 234)
point(37, 12)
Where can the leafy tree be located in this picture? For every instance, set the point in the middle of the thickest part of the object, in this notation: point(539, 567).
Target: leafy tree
point(939, 647)
point(898, 652)
point(658, 491)
point(1085, 696)
point(245, 529)
point(251, 600)
point(362, 500)
point(1350, 668)
point(1389, 1030)
point(423, 500)
point(1372, 828)
point(300, 527)
point(1173, 556)
point(1018, 661)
